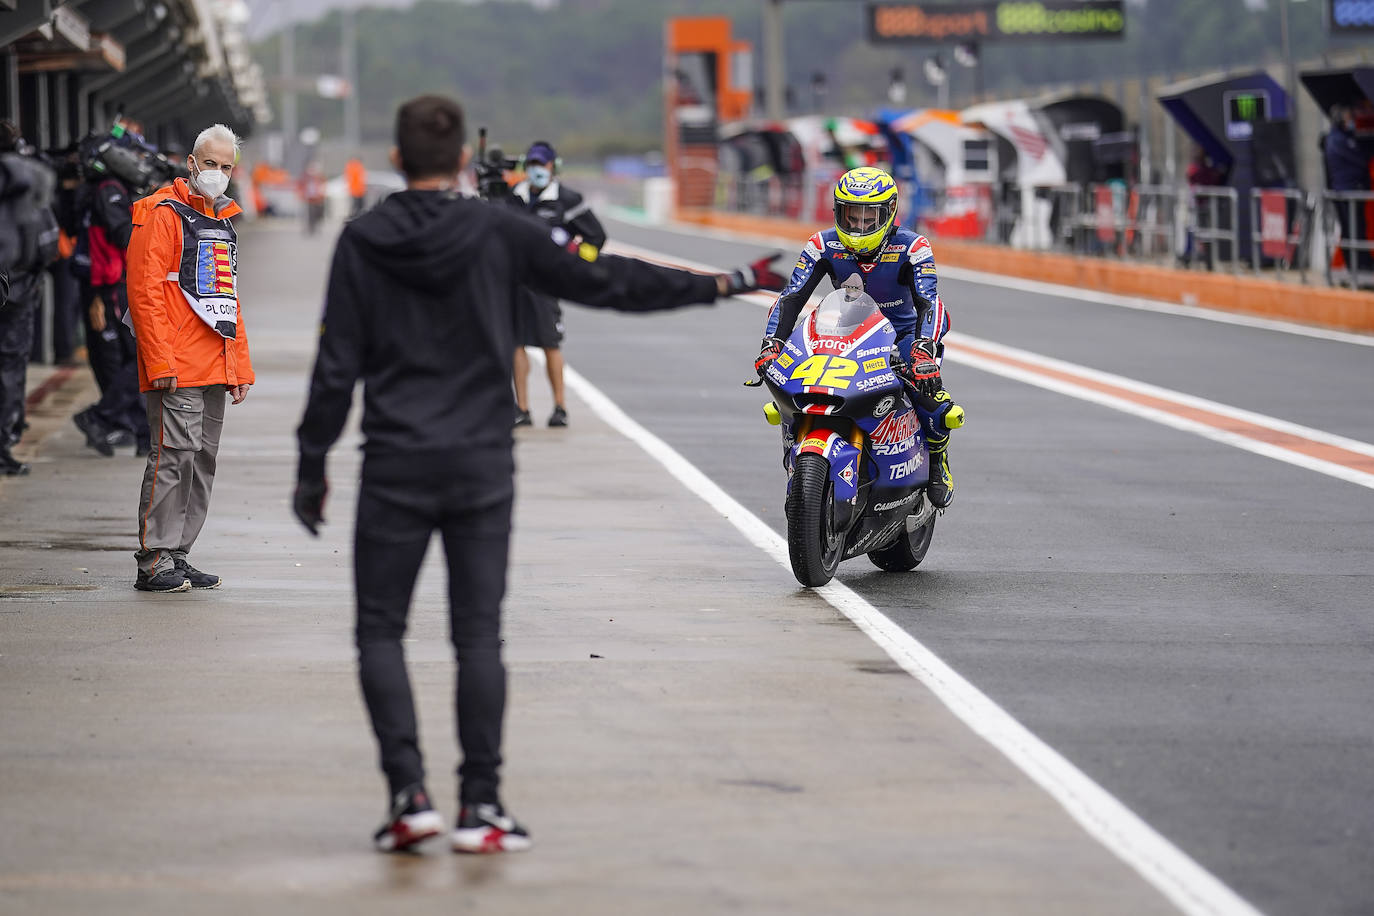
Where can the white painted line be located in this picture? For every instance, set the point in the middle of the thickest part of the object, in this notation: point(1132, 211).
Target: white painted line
point(1164, 417)
point(986, 278)
point(1186, 884)
point(1124, 404)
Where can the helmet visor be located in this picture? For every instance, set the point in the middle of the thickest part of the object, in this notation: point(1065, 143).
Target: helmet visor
point(862, 219)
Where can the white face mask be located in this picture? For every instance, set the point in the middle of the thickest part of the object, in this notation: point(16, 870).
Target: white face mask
point(211, 183)
point(539, 176)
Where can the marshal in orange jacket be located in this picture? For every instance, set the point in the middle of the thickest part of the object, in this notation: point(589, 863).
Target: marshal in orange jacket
point(172, 341)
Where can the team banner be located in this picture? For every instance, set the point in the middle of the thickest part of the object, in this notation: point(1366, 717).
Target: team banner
point(1008, 20)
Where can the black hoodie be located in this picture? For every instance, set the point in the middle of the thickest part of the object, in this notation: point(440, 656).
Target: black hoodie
point(420, 307)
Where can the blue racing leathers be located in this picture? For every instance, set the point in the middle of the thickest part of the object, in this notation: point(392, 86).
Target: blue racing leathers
point(900, 277)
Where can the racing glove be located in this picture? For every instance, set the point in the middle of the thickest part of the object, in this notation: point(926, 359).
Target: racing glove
point(770, 350)
point(308, 503)
point(923, 372)
point(754, 275)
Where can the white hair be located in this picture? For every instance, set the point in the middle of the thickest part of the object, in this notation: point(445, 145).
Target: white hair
point(216, 133)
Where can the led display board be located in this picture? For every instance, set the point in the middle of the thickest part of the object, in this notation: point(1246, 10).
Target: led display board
point(1351, 15)
point(1007, 20)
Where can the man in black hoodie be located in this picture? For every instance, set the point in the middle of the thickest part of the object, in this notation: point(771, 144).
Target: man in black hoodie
point(420, 306)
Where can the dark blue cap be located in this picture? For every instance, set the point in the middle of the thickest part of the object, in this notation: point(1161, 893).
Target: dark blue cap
point(540, 151)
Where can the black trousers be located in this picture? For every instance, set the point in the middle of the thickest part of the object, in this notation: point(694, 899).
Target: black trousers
point(113, 354)
point(16, 339)
point(66, 302)
point(403, 500)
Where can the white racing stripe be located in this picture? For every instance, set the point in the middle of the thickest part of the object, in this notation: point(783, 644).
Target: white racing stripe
point(1190, 887)
point(1211, 431)
point(1207, 430)
point(987, 278)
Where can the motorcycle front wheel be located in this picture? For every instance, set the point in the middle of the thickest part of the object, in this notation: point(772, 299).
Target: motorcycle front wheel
point(813, 544)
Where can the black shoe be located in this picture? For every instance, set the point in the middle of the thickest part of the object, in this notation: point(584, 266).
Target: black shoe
point(522, 418)
point(171, 580)
point(559, 417)
point(119, 438)
point(484, 828)
point(412, 820)
point(940, 490)
point(97, 436)
point(142, 447)
point(197, 578)
point(11, 466)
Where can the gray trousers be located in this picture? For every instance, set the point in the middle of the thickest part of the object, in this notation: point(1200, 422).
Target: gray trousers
point(185, 426)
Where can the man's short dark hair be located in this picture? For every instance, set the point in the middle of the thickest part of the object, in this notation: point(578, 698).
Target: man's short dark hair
point(429, 136)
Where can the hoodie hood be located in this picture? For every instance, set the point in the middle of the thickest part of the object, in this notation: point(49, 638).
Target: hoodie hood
point(422, 239)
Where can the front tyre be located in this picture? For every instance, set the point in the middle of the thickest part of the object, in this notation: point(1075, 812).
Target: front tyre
point(907, 551)
point(813, 544)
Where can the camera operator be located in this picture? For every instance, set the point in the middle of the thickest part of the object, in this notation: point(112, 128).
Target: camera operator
point(118, 168)
point(28, 241)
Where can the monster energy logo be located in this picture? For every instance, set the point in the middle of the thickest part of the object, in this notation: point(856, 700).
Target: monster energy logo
point(1247, 107)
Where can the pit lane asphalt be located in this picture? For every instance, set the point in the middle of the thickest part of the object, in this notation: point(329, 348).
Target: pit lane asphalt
point(687, 733)
point(1190, 624)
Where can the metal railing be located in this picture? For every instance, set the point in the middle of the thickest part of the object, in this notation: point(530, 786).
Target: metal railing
point(1212, 226)
point(1273, 231)
point(1345, 228)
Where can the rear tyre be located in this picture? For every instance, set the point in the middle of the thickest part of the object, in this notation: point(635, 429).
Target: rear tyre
point(907, 552)
point(813, 545)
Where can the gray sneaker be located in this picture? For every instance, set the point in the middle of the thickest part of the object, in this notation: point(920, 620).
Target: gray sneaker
point(171, 580)
point(197, 578)
point(559, 417)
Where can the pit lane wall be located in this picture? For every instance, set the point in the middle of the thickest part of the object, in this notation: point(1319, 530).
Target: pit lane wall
point(1332, 308)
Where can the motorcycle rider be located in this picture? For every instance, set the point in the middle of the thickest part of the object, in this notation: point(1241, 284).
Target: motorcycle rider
point(897, 268)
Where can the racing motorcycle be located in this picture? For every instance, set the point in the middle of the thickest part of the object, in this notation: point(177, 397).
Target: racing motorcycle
point(856, 460)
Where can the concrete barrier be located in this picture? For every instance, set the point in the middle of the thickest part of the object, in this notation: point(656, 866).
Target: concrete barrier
point(1316, 305)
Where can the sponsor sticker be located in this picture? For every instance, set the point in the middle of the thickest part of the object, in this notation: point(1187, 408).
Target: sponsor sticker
point(814, 442)
point(902, 447)
point(775, 374)
point(793, 348)
point(895, 504)
point(898, 248)
point(785, 361)
point(895, 428)
point(874, 365)
point(866, 267)
point(884, 407)
point(801, 264)
point(927, 270)
point(847, 475)
point(830, 345)
point(838, 246)
point(890, 257)
point(906, 468)
point(877, 381)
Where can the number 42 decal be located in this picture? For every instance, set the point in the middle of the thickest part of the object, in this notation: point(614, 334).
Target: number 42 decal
point(825, 371)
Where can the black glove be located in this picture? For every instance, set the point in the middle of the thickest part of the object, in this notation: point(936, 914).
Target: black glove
point(755, 275)
point(923, 372)
point(767, 353)
point(308, 503)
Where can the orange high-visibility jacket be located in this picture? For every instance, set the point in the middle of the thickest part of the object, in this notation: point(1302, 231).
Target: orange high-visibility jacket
point(172, 341)
point(356, 175)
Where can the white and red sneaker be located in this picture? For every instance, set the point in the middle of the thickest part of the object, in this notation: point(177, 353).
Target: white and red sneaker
point(412, 821)
point(486, 828)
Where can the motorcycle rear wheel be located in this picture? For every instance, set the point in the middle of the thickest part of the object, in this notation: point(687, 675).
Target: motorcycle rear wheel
point(813, 545)
point(907, 551)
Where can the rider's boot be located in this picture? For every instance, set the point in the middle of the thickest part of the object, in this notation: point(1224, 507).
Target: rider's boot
point(936, 426)
point(940, 491)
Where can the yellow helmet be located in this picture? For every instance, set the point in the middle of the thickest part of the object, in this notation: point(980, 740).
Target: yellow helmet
point(865, 208)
